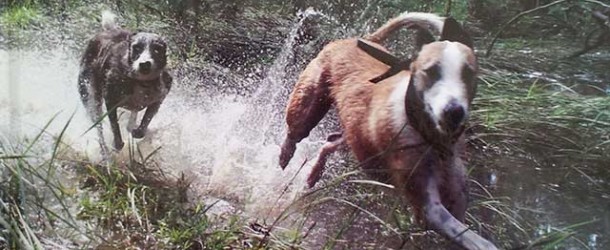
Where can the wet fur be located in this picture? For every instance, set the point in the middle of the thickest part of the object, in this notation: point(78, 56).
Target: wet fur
point(112, 73)
point(390, 126)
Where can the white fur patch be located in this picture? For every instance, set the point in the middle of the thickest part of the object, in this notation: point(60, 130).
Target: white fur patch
point(131, 124)
point(144, 57)
point(397, 102)
point(450, 86)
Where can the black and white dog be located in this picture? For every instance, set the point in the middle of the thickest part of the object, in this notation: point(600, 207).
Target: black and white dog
point(123, 69)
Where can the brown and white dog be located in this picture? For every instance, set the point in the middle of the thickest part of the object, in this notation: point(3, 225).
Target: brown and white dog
point(127, 70)
point(406, 129)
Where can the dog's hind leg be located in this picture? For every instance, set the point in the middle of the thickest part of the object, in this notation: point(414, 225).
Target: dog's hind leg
point(91, 97)
point(333, 142)
point(112, 105)
point(307, 105)
point(151, 111)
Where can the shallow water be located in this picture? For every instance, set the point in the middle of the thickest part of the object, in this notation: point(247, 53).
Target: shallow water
point(227, 142)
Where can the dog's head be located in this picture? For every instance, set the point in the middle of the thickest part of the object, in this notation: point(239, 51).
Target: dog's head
point(147, 55)
point(442, 83)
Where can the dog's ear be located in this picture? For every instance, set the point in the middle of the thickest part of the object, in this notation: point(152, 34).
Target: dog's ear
point(420, 120)
point(453, 31)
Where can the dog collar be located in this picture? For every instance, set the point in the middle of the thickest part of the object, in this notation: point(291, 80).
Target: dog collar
point(396, 65)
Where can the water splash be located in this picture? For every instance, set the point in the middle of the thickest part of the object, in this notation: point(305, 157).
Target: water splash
point(267, 105)
point(42, 88)
point(229, 143)
point(225, 141)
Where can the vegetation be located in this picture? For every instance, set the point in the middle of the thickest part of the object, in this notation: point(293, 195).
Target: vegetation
point(131, 203)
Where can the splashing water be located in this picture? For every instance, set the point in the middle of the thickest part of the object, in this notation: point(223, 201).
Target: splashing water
point(226, 143)
point(41, 89)
point(266, 109)
point(233, 149)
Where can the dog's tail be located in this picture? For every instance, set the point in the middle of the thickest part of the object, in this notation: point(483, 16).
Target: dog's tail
point(108, 20)
point(429, 21)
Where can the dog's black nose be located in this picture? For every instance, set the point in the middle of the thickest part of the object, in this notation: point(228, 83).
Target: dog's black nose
point(453, 116)
point(145, 67)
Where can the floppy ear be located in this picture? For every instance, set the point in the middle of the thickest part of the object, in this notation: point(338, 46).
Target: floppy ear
point(453, 31)
point(420, 120)
point(415, 108)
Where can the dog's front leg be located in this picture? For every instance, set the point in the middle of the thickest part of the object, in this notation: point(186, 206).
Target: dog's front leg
point(151, 111)
point(111, 107)
point(438, 218)
point(454, 190)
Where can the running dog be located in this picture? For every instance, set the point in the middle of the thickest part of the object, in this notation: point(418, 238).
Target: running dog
point(123, 69)
point(404, 122)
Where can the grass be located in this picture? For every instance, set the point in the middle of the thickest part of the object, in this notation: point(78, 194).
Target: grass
point(549, 115)
point(139, 207)
point(29, 184)
point(125, 206)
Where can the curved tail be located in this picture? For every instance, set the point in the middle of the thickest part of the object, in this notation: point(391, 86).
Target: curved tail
point(108, 20)
point(429, 21)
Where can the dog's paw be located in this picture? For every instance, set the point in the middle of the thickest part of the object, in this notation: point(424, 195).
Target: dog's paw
point(118, 145)
point(287, 152)
point(138, 133)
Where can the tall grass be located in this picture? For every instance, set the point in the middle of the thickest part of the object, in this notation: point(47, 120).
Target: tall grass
point(35, 198)
point(528, 114)
point(116, 205)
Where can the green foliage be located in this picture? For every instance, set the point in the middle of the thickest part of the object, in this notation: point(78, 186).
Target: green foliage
point(19, 16)
point(140, 205)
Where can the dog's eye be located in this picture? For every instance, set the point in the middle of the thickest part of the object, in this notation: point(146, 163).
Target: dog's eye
point(467, 74)
point(433, 73)
point(158, 49)
point(137, 48)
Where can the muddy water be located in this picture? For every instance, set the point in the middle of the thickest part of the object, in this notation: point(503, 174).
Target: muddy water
point(228, 144)
point(547, 195)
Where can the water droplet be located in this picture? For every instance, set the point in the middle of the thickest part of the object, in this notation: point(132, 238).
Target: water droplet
point(493, 179)
point(592, 243)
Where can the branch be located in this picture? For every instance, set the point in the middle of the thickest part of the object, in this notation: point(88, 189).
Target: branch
point(598, 2)
point(515, 18)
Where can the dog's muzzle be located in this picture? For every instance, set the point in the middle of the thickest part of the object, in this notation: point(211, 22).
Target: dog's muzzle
point(453, 118)
point(145, 67)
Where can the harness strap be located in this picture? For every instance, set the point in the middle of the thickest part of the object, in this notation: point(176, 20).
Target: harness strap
point(396, 65)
